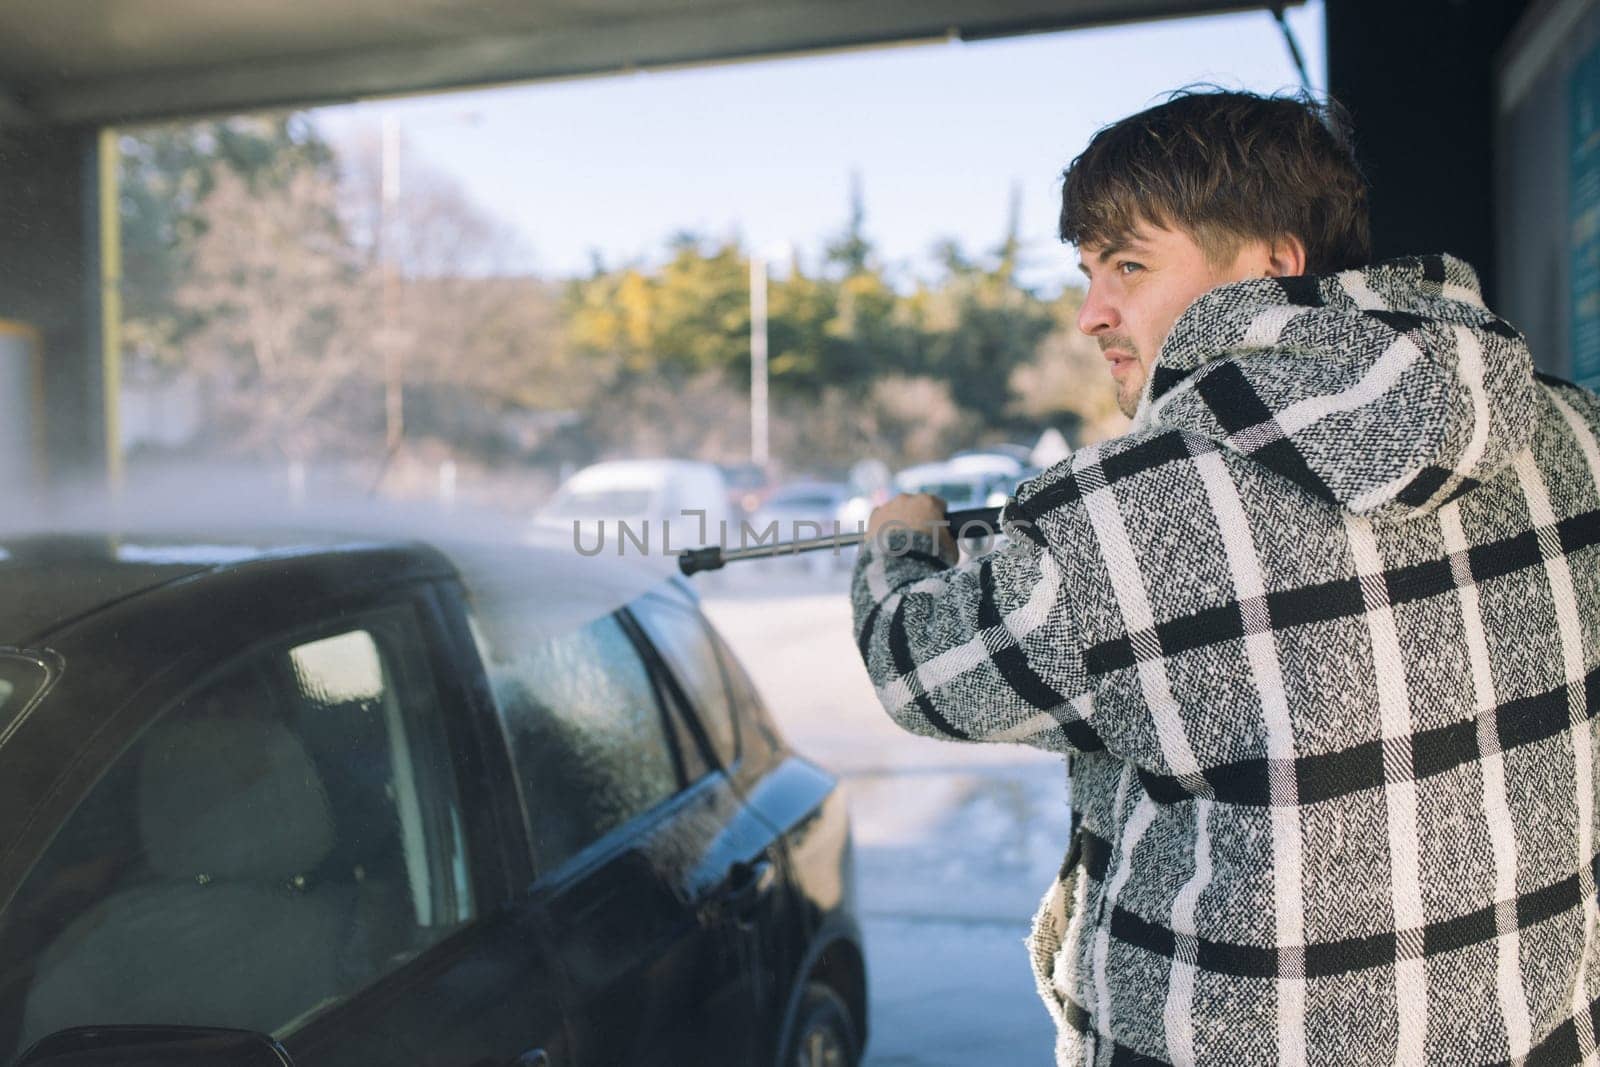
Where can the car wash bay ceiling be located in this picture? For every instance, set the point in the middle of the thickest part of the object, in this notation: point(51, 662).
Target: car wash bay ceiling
point(108, 61)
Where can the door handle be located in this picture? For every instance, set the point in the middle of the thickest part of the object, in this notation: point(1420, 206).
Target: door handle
point(748, 885)
point(532, 1058)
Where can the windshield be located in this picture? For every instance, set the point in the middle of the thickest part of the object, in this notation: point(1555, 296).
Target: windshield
point(819, 501)
point(816, 501)
point(956, 494)
point(21, 679)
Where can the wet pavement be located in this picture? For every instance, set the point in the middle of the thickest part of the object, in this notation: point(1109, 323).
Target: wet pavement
point(955, 842)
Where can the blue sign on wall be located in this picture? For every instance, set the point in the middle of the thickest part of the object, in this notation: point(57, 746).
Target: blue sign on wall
point(1583, 218)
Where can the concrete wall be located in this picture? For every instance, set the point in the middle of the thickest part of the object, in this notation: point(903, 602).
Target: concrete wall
point(18, 409)
point(1418, 79)
point(1532, 179)
point(50, 278)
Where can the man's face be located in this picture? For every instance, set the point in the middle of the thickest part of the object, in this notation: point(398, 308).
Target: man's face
point(1137, 290)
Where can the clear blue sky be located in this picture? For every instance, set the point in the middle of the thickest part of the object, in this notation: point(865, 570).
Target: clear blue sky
point(938, 133)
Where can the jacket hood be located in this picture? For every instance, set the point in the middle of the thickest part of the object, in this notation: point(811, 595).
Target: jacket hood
point(1388, 390)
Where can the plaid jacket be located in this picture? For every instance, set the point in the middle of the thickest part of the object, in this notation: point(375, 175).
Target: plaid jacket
point(1322, 639)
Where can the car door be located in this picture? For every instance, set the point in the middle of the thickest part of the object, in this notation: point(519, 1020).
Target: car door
point(650, 875)
point(490, 993)
point(298, 841)
point(747, 858)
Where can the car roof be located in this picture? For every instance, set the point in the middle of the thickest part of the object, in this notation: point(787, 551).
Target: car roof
point(809, 488)
point(1022, 454)
point(554, 587)
point(984, 463)
point(49, 580)
point(640, 472)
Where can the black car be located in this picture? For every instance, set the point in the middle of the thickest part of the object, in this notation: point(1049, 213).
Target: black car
point(391, 803)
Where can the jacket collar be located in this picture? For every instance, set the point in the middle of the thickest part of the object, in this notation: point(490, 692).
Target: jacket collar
point(1386, 390)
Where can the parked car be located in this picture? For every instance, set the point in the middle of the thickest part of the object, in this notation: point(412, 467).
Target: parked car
point(1021, 454)
point(806, 509)
point(651, 496)
point(748, 485)
point(978, 479)
point(389, 802)
point(967, 479)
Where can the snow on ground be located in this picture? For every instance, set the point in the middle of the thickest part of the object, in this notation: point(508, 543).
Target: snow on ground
point(955, 842)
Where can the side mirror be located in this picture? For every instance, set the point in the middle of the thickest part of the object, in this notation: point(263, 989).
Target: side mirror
point(155, 1046)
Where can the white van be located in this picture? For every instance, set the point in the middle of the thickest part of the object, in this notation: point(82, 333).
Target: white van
point(648, 496)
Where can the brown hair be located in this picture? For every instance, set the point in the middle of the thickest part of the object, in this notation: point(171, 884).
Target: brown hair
point(1225, 167)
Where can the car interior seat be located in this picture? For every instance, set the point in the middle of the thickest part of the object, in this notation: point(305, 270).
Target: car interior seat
point(351, 745)
point(225, 930)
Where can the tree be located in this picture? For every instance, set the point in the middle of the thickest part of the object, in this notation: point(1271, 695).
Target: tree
point(702, 309)
point(899, 419)
point(851, 251)
point(266, 265)
point(691, 316)
point(1066, 380)
point(166, 174)
point(967, 350)
point(978, 325)
point(453, 304)
point(273, 267)
point(287, 315)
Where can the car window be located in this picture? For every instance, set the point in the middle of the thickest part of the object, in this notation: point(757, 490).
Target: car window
point(745, 695)
point(680, 633)
point(585, 726)
point(21, 679)
point(277, 839)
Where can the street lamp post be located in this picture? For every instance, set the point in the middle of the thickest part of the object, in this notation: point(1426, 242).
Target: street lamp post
point(391, 146)
point(388, 200)
point(759, 439)
point(758, 360)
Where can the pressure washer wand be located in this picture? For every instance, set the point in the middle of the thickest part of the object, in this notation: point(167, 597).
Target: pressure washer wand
point(971, 522)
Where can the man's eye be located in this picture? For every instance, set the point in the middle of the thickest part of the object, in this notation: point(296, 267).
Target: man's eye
point(1129, 267)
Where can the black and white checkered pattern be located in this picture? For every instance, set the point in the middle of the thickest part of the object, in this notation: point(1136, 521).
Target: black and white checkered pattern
point(1322, 639)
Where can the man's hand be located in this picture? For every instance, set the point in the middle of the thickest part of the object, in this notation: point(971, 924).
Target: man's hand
point(916, 512)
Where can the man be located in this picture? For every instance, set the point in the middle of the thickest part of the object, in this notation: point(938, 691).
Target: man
point(1320, 635)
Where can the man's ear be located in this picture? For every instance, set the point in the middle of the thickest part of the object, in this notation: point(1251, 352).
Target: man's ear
point(1287, 257)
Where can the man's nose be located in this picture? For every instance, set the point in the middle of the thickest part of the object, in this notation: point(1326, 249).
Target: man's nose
point(1097, 315)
